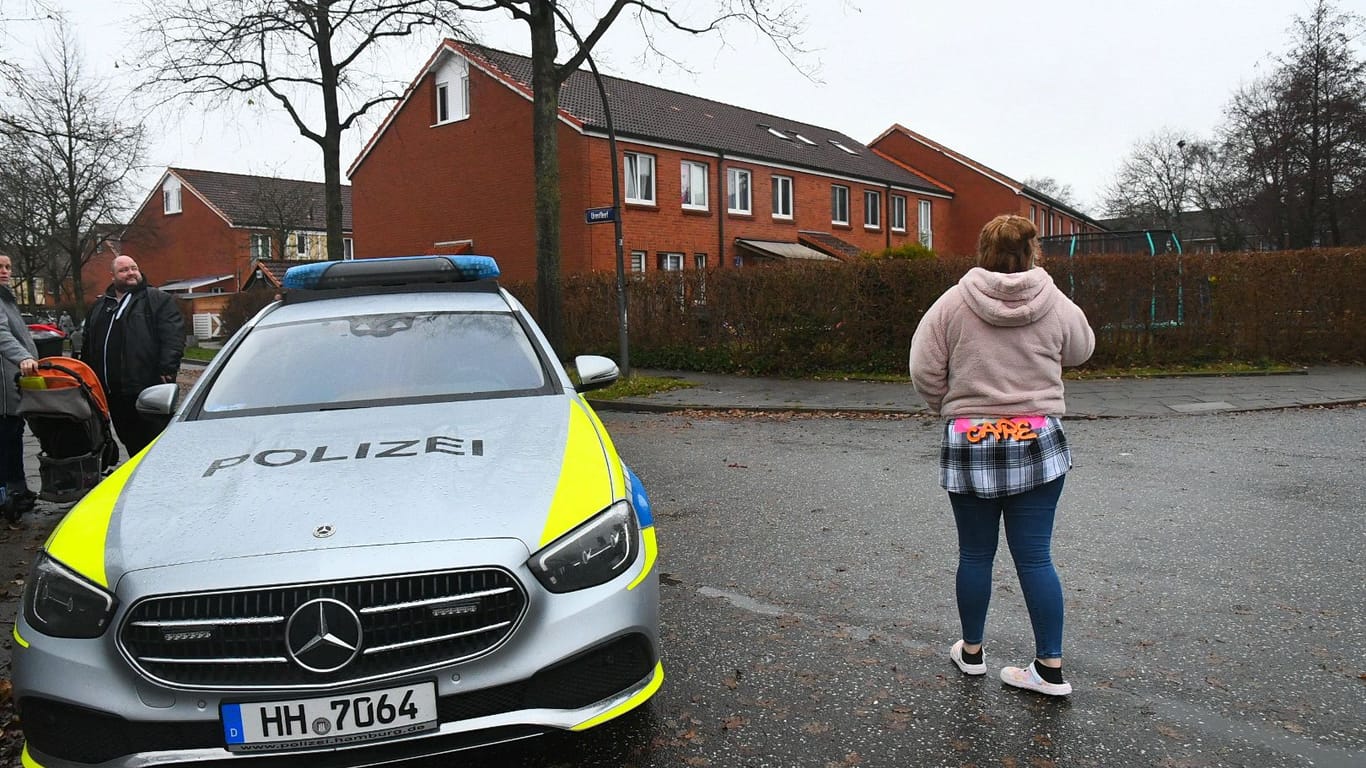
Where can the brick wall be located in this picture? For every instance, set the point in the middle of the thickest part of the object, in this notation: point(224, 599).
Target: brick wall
point(196, 242)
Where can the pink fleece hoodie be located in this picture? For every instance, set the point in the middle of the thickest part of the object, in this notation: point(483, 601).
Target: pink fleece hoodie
point(995, 345)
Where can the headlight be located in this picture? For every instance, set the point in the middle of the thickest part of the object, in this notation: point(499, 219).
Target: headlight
point(60, 603)
point(592, 554)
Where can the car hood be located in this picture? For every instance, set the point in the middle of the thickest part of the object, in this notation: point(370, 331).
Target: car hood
point(522, 468)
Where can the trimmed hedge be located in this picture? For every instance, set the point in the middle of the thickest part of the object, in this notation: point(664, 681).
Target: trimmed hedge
point(1287, 307)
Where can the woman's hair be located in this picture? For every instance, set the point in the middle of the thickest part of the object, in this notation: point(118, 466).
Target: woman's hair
point(1008, 243)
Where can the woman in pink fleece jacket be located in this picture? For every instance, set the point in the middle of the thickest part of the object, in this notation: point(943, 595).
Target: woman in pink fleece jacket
point(988, 357)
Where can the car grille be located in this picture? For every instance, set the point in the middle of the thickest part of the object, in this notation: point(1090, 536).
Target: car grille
point(237, 639)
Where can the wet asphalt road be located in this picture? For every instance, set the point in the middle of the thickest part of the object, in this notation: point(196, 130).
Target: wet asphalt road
point(1212, 568)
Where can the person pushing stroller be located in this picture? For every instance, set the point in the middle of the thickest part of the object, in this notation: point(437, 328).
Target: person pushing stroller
point(18, 355)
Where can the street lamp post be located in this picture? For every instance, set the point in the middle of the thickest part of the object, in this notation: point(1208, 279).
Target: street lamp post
point(623, 324)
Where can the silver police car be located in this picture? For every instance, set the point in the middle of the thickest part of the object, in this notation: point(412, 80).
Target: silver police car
point(384, 524)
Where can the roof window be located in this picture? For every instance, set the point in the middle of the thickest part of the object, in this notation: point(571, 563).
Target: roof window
point(841, 146)
point(775, 132)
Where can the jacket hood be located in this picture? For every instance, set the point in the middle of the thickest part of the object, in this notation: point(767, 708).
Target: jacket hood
point(1008, 299)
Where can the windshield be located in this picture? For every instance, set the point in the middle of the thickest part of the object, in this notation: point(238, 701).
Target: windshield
point(354, 360)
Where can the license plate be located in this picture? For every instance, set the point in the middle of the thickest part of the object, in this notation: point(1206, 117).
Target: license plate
point(329, 721)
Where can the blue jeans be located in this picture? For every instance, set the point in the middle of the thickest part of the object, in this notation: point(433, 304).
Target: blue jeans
point(1029, 533)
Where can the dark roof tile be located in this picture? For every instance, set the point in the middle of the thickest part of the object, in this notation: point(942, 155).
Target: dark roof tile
point(240, 197)
point(642, 111)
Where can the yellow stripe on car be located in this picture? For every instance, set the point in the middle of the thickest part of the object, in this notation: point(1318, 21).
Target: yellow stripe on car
point(18, 638)
point(613, 461)
point(588, 479)
point(651, 551)
point(27, 760)
point(626, 706)
point(78, 542)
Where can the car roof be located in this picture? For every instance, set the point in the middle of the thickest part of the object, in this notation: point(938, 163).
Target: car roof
point(389, 301)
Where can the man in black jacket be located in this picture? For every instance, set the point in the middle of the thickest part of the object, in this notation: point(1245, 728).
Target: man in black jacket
point(133, 338)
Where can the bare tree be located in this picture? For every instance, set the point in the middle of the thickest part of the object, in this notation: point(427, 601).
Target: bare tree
point(308, 56)
point(23, 216)
point(778, 20)
point(1154, 183)
point(281, 207)
point(1055, 189)
point(71, 140)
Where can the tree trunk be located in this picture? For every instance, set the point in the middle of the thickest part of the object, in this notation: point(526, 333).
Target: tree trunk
point(545, 102)
point(331, 143)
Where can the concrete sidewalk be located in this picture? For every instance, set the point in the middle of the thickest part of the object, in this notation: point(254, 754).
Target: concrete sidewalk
point(1100, 398)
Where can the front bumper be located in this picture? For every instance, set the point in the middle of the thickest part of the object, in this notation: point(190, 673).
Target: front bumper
point(576, 660)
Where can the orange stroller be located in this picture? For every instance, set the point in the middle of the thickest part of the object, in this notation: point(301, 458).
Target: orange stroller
point(66, 410)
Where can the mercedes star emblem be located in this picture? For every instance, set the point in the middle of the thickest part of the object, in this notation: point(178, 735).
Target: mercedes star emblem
point(322, 531)
point(323, 635)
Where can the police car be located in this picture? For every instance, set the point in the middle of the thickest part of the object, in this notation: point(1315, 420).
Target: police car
point(384, 524)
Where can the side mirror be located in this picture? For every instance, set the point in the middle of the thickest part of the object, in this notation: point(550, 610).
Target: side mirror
point(159, 399)
point(595, 372)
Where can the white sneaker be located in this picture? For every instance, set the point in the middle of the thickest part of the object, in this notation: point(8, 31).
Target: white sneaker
point(1028, 679)
point(956, 653)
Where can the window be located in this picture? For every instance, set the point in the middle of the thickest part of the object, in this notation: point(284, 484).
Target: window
point(775, 132)
point(260, 246)
point(640, 177)
point(699, 261)
point(782, 197)
point(694, 185)
point(443, 103)
point(872, 209)
point(926, 234)
point(348, 249)
point(670, 262)
point(1033, 214)
point(839, 204)
point(843, 148)
point(1053, 224)
point(301, 244)
point(638, 261)
point(737, 191)
point(898, 213)
point(453, 91)
point(170, 196)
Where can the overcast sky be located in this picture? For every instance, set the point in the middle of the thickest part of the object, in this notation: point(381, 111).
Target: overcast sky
point(1059, 88)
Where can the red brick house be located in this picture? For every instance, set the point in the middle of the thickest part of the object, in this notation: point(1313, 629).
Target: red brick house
point(201, 232)
point(980, 193)
point(704, 184)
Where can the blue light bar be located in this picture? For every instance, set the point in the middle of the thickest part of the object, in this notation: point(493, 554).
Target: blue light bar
point(393, 270)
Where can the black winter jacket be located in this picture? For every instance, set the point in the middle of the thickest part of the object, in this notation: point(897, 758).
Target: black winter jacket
point(133, 348)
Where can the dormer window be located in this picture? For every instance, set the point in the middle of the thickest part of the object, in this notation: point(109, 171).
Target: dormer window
point(841, 146)
point(170, 196)
point(452, 91)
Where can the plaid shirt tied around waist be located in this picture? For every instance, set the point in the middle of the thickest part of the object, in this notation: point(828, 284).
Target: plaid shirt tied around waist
point(991, 456)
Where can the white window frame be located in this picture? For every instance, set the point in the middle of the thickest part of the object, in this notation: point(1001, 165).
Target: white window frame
point(699, 262)
point(170, 197)
point(638, 169)
point(638, 262)
point(872, 209)
point(839, 204)
point(739, 191)
point(898, 213)
point(670, 261)
point(348, 249)
point(260, 246)
point(693, 175)
point(301, 243)
point(925, 224)
point(452, 91)
point(783, 197)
